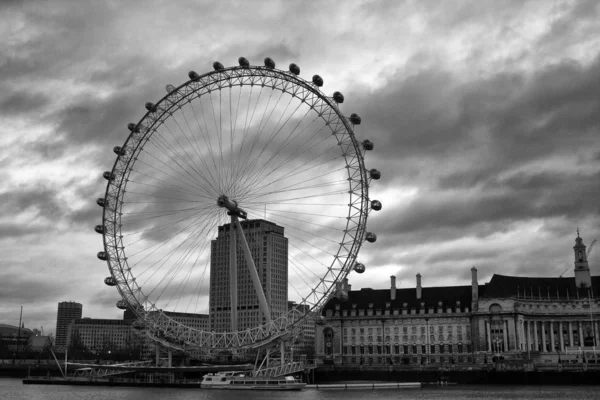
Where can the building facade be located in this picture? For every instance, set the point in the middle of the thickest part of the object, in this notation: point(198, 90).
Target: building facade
point(518, 318)
point(102, 336)
point(269, 249)
point(67, 312)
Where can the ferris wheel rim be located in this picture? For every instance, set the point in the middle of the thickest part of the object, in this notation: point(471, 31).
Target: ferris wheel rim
point(117, 260)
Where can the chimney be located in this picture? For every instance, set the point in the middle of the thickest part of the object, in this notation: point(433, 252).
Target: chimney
point(346, 286)
point(418, 286)
point(474, 289)
point(393, 288)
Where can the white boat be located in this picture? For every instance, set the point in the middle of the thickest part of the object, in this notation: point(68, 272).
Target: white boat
point(239, 381)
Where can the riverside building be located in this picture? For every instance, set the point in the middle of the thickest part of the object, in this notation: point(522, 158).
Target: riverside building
point(67, 312)
point(269, 249)
point(509, 318)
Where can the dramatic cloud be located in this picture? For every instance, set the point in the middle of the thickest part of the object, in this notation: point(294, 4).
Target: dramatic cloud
point(485, 118)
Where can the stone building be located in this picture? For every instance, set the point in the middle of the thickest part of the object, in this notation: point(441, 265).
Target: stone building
point(518, 318)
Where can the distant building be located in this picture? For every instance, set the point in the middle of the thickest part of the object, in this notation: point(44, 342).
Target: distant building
point(67, 312)
point(14, 339)
point(269, 248)
point(305, 332)
point(99, 336)
point(516, 318)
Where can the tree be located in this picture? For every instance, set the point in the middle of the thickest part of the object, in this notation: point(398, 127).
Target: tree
point(76, 349)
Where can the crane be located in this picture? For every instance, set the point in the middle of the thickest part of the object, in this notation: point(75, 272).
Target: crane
point(587, 254)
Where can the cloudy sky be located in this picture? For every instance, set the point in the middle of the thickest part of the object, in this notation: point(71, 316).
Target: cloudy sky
point(485, 117)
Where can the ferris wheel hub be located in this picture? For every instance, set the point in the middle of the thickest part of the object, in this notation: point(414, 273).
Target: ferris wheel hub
point(231, 206)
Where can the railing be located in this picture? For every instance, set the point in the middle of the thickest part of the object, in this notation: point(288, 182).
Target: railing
point(280, 370)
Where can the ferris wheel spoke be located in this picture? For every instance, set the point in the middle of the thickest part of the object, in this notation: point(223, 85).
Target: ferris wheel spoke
point(150, 215)
point(246, 128)
point(183, 159)
point(198, 290)
point(162, 243)
point(304, 221)
point(206, 139)
point(196, 150)
point(183, 283)
point(189, 179)
point(307, 166)
point(196, 235)
point(171, 186)
point(250, 176)
point(169, 189)
point(260, 172)
point(157, 228)
point(296, 186)
point(303, 272)
point(161, 172)
point(259, 130)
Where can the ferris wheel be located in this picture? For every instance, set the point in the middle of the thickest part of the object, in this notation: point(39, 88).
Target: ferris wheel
point(242, 194)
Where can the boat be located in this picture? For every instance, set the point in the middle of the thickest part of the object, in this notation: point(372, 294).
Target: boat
point(235, 380)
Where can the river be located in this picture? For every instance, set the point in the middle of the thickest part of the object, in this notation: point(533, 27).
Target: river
point(13, 389)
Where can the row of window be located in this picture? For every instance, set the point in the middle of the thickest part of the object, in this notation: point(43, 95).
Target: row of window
point(413, 338)
point(406, 360)
point(396, 329)
point(406, 349)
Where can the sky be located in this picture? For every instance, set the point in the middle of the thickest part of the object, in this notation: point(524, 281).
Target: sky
point(485, 117)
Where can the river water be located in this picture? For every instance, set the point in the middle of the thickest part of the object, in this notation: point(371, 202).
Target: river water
point(13, 389)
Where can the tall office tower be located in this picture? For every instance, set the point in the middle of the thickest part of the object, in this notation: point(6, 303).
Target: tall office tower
point(67, 312)
point(269, 250)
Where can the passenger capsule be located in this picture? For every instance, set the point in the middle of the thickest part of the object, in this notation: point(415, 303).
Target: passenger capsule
point(367, 145)
point(338, 97)
point(110, 281)
point(122, 304)
point(150, 107)
point(243, 61)
point(131, 126)
point(342, 295)
point(269, 63)
point(218, 66)
point(376, 205)
point(317, 80)
point(102, 255)
point(101, 202)
point(355, 119)
point(108, 176)
point(359, 268)
point(120, 151)
point(193, 75)
point(371, 237)
point(99, 228)
point(170, 88)
point(375, 174)
point(294, 69)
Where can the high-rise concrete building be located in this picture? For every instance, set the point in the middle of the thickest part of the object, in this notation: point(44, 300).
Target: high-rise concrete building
point(67, 312)
point(269, 248)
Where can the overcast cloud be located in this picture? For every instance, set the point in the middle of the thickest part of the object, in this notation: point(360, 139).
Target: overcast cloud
point(485, 117)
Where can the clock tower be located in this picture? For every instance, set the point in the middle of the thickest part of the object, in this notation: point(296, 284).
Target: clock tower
point(583, 278)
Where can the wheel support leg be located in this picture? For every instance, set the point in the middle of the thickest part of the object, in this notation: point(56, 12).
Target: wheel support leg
point(233, 287)
point(262, 300)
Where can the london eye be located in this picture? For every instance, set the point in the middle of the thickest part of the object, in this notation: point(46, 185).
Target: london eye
point(219, 159)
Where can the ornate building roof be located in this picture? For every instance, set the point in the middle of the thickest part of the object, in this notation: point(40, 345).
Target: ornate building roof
point(501, 286)
point(430, 296)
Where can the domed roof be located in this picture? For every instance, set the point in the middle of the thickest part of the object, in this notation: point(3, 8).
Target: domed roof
point(11, 330)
